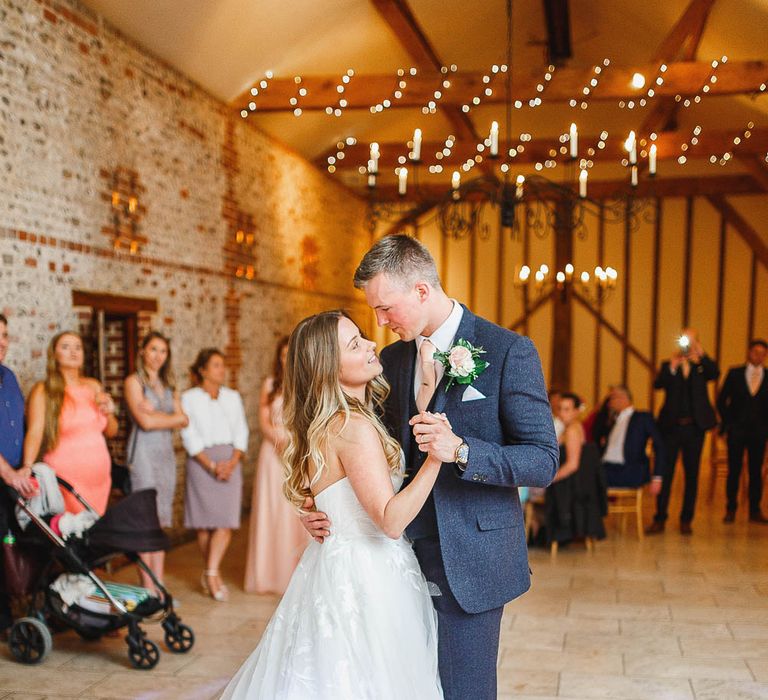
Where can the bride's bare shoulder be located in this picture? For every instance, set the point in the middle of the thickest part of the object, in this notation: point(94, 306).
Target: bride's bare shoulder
point(349, 431)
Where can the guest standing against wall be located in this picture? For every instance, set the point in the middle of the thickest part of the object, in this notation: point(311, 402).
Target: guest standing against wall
point(215, 440)
point(68, 417)
point(743, 407)
point(684, 419)
point(277, 538)
point(11, 444)
point(151, 395)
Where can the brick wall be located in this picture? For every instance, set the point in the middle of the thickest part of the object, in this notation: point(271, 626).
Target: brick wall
point(237, 238)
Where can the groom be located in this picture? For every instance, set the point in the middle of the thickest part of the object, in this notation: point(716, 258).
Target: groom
point(492, 435)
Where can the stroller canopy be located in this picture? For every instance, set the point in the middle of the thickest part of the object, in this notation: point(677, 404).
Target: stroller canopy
point(131, 525)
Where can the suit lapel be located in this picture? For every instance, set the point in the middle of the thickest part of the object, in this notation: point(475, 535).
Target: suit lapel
point(407, 367)
point(467, 332)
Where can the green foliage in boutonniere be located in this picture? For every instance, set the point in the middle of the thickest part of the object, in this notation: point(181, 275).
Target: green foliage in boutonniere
point(462, 363)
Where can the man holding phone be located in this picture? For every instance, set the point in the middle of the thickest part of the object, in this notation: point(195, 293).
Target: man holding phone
point(684, 419)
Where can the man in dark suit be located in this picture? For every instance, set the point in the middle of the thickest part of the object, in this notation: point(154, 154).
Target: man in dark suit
point(625, 458)
point(743, 407)
point(493, 434)
point(684, 419)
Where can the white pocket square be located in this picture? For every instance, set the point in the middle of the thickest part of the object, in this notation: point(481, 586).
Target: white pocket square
point(471, 394)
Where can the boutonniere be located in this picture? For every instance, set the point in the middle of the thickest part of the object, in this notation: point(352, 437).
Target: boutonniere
point(462, 363)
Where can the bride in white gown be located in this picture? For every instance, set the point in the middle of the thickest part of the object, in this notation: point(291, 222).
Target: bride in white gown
point(356, 621)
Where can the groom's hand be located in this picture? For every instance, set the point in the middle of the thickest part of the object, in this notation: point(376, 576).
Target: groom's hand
point(434, 435)
point(315, 523)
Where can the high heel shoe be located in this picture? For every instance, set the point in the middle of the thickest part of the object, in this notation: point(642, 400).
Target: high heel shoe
point(221, 595)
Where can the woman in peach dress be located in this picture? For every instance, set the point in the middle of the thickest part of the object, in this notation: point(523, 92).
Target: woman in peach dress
point(276, 539)
point(68, 417)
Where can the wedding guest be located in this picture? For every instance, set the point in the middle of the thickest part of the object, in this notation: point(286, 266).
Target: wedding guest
point(572, 438)
point(554, 401)
point(276, 538)
point(743, 408)
point(215, 440)
point(684, 419)
point(11, 445)
point(625, 458)
point(154, 404)
point(68, 418)
point(576, 500)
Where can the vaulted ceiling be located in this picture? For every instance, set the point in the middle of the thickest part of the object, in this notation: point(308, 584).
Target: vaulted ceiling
point(229, 46)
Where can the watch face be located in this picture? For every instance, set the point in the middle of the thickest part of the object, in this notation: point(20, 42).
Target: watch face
point(463, 453)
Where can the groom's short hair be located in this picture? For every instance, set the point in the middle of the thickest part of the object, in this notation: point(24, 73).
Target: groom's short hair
point(400, 257)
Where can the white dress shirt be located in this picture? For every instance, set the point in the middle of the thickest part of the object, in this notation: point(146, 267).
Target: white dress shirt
point(442, 339)
point(614, 451)
point(219, 421)
point(748, 374)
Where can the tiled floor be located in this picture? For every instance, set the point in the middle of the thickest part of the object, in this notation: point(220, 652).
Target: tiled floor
point(667, 618)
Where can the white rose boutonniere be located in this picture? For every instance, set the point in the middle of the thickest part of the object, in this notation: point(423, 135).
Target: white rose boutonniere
point(462, 363)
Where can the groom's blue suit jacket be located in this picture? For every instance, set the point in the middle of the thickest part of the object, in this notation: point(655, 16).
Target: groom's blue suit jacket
point(512, 443)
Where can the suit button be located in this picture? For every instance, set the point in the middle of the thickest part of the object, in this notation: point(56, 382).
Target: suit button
point(475, 477)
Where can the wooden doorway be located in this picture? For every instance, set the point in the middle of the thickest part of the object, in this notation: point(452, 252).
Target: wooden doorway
point(111, 327)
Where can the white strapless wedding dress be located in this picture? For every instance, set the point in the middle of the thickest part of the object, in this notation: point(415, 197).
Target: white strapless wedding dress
point(356, 621)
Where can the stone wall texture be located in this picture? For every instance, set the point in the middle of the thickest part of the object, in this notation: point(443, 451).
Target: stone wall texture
point(235, 237)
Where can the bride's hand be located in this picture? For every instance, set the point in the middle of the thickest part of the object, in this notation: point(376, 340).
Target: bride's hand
point(316, 524)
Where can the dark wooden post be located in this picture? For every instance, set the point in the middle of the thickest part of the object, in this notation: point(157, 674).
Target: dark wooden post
point(560, 374)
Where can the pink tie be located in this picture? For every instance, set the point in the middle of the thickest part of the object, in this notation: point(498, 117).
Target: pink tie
point(428, 375)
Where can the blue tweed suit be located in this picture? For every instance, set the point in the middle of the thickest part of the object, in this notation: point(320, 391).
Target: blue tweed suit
point(478, 556)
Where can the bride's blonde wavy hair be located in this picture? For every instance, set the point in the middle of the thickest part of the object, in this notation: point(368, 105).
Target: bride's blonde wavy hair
point(316, 407)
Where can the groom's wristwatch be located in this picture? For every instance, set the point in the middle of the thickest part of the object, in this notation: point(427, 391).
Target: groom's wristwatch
point(462, 456)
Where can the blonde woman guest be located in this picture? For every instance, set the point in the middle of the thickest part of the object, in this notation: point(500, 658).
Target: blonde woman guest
point(151, 395)
point(215, 440)
point(277, 538)
point(68, 417)
point(356, 620)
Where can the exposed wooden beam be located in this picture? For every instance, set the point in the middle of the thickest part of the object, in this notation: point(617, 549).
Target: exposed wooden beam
point(613, 189)
point(669, 147)
point(757, 167)
point(684, 78)
point(397, 14)
point(686, 33)
point(683, 40)
point(753, 239)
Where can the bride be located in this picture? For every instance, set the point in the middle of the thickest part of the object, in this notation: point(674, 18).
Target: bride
point(356, 621)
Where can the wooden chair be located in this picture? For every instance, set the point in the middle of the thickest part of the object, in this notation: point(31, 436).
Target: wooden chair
point(624, 501)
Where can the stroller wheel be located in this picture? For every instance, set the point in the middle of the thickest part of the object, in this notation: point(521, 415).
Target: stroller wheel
point(179, 638)
point(143, 653)
point(30, 640)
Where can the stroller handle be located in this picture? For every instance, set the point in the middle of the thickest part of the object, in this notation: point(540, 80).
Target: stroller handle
point(72, 490)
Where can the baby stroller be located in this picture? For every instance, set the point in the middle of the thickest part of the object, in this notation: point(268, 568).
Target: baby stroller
point(36, 560)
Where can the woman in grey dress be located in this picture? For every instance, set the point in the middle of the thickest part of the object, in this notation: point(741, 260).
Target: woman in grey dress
point(156, 410)
point(215, 440)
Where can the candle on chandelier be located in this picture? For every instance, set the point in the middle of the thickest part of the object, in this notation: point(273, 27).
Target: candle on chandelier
point(574, 138)
point(631, 145)
point(652, 159)
point(494, 139)
point(519, 188)
point(371, 173)
point(456, 180)
point(402, 183)
point(416, 154)
point(583, 175)
point(374, 158)
point(634, 176)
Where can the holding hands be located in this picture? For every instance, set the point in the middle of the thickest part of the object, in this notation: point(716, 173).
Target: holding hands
point(434, 434)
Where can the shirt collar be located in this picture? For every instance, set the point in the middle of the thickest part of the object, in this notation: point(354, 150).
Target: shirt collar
point(626, 413)
point(443, 337)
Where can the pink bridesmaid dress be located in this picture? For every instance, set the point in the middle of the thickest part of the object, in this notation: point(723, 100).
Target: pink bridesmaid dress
point(81, 456)
point(277, 538)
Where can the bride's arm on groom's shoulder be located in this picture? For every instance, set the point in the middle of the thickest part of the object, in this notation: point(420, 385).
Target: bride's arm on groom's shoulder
point(361, 454)
point(529, 455)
